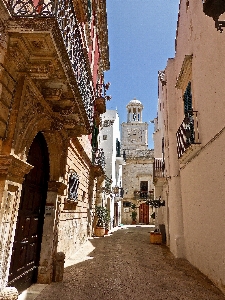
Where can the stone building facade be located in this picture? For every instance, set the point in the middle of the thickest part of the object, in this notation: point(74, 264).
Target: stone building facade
point(137, 173)
point(52, 59)
point(189, 143)
point(109, 140)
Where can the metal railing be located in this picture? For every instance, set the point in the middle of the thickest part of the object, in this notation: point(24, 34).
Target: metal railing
point(188, 133)
point(98, 158)
point(143, 195)
point(64, 13)
point(159, 168)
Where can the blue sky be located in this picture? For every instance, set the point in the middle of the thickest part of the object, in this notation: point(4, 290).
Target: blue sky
point(141, 39)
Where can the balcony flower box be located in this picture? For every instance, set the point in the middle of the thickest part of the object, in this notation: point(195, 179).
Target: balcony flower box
point(100, 105)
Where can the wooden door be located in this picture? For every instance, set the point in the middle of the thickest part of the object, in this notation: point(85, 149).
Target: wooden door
point(116, 216)
point(144, 213)
point(27, 242)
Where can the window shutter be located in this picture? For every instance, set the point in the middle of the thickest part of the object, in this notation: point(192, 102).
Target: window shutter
point(187, 98)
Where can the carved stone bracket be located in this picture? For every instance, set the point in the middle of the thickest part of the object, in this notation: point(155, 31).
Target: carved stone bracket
point(13, 168)
point(162, 77)
point(52, 94)
point(96, 171)
point(57, 187)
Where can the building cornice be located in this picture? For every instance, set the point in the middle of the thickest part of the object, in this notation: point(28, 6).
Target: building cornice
point(185, 73)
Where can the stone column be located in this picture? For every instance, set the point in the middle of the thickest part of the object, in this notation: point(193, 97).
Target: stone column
point(100, 180)
point(50, 232)
point(12, 171)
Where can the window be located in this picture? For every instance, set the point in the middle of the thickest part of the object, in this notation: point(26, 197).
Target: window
point(126, 204)
point(143, 189)
point(104, 137)
point(187, 98)
point(188, 111)
point(73, 186)
point(117, 148)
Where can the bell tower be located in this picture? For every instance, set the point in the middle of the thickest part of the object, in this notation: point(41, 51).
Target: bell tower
point(134, 131)
point(134, 111)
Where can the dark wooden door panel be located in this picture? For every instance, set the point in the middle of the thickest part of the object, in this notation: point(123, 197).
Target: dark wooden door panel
point(144, 213)
point(27, 241)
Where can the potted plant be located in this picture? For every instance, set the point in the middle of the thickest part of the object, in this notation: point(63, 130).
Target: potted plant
point(134, 217)
point(133, 214)
point(107, 220)
point(100, 214)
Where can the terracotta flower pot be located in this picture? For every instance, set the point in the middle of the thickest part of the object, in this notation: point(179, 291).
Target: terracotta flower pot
point(99, 231)
point(155, 237)
point(100, 105)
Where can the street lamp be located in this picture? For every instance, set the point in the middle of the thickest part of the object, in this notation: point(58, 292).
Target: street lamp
point(213, 9)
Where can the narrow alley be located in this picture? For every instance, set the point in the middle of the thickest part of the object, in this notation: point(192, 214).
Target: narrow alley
point(124, 265)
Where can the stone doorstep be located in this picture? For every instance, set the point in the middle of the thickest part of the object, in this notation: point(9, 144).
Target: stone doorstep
point(32, 292)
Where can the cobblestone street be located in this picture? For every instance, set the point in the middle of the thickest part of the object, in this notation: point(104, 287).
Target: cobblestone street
point(124, 265)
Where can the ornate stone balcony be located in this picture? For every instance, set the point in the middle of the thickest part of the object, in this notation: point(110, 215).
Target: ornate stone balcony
point(47, 39)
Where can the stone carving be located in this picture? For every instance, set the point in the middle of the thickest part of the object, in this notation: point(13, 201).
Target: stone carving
point(10, 209)
point(9, 293)
point(40, 70)
point(16, 54)
point(31, 107)
point(14, 168)
point(56, 124)
point(38, 44)
point(162, 77)
point(2, 35)
point(52, 94)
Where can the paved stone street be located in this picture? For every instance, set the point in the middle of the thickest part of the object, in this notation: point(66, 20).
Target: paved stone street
point(124, 265)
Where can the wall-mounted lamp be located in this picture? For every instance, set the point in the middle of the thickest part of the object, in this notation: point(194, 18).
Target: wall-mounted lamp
point(213, 9)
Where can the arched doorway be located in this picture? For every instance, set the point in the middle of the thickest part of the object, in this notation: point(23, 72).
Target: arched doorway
point(27, 242)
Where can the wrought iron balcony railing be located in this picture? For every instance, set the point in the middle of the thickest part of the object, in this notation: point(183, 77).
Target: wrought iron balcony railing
point(118, 191)
point(188, 132)
point(63, 12)
point(158, 168)
point(99, 158)
point(143, 195)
